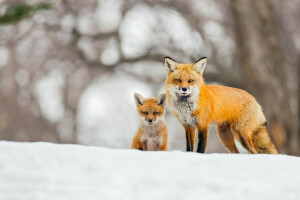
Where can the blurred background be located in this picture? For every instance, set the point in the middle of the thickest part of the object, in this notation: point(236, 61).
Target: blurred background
point(68, 74)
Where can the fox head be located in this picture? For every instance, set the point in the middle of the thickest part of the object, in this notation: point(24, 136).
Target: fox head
point(150, 110)
point(184, 80)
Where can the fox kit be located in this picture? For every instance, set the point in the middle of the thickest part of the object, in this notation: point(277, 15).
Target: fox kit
point(196, 105)
point(152, 134)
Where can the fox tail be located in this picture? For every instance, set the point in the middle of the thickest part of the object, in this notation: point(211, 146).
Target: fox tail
point(262, 142)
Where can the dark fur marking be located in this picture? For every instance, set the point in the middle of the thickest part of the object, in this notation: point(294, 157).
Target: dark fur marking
point(139, 101)
point(246, 145)
point(167, 57)
point(188, 141)
point(202, 141)
point(224, 127)
point(256, 131)
point(264, 124)
point(160, 103)
point(200, 59)
point(157, 144)
point(169, 66)
point(184, 98)
point(263, 150)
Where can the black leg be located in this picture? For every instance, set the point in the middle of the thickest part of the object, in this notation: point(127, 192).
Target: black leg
point(246, 145)
point(202, 140)
point(190, 138)
point(188, 141)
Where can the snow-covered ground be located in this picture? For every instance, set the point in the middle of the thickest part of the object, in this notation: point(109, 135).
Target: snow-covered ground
point(51, 171)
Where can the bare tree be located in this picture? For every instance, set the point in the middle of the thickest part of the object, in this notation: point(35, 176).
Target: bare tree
point(264, 69)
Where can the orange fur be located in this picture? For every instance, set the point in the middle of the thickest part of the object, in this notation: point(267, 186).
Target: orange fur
point(153, 136)
point(236, 111)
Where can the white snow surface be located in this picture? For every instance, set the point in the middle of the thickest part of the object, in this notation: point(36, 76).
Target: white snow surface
point(54, 171)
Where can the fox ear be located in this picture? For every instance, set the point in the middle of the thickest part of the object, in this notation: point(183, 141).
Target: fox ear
point(170, 64)
point(139, 99)
point(161, 99)
point(200, 65)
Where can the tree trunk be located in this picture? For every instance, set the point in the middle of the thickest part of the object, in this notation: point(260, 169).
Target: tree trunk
point(264, 69)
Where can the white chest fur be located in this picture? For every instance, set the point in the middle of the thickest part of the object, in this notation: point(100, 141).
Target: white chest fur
point(184, 110)
point(184, 107)
point(150, 137)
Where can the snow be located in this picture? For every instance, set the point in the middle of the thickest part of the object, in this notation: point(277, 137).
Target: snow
point(51, 171)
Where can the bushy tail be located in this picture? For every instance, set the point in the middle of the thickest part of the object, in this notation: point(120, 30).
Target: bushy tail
point(262, 142)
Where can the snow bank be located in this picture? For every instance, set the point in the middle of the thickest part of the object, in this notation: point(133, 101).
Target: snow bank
point(51, 171)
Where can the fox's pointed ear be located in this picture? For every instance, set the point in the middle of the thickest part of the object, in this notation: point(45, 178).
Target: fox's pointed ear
point(170, 64)
point(200, 65)
point(161, 99)
point(139, 99)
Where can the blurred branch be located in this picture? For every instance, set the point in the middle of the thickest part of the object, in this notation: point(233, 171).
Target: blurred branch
point(17, 12)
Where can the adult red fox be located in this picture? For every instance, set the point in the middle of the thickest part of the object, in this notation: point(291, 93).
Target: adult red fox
point(196, 105)
point(152, 134)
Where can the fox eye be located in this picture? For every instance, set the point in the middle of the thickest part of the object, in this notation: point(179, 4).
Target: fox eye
point(145, 113)
point(191, 80)
point(178, 80)
point(155, 113)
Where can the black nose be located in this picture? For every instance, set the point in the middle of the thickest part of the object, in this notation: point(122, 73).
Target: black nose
point(150, 120)
point(184, 89)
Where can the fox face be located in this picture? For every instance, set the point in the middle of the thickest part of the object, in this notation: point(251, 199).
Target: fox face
point(184, 80)
point(151, 110)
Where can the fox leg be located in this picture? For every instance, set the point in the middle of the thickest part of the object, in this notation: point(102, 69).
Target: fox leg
point(144, 146)
point(190, 137)
point(136, 145)
point(244, 137)
point(202, 139)
point(226, 137)
point(133, 143)
point(163, 147)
